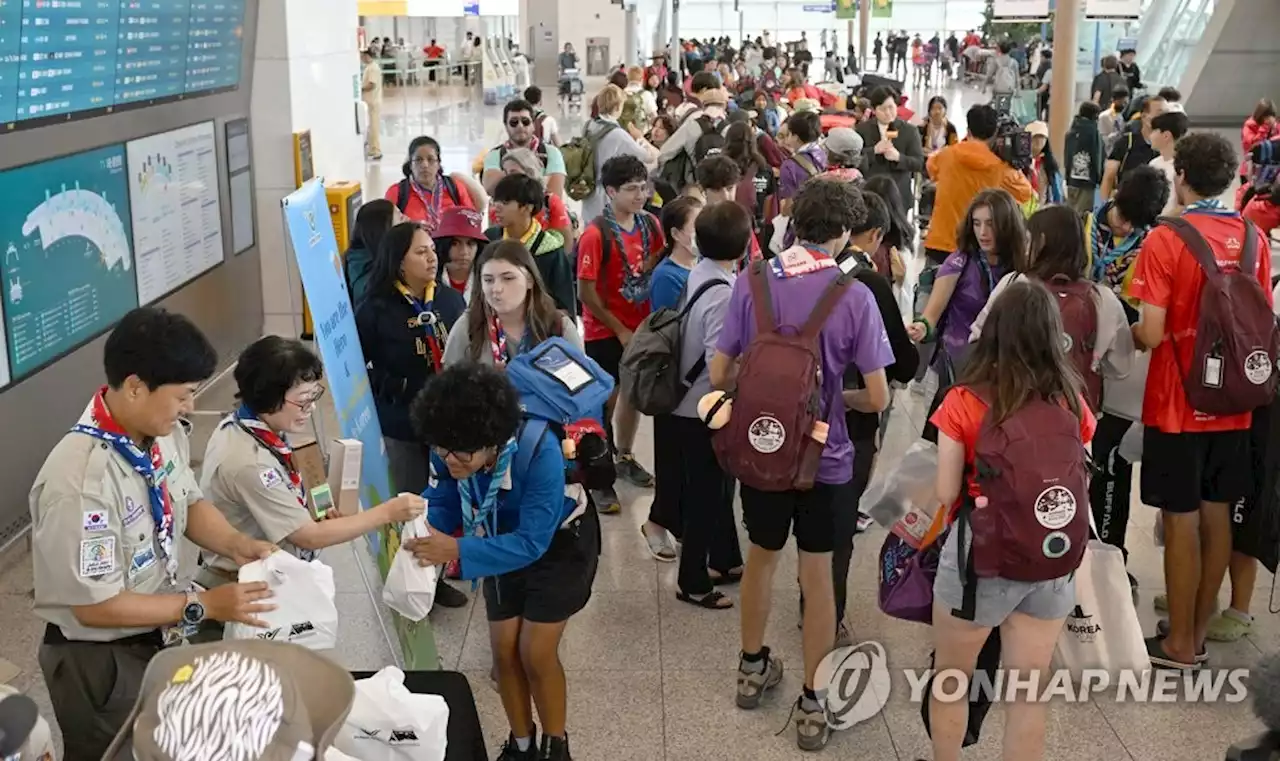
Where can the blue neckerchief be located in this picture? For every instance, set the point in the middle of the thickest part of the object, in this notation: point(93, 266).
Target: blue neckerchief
point(1106, 251)
point(141, 464)
point(481, 514)
point(1210, 206)
point(635, 282)
point(984, 267)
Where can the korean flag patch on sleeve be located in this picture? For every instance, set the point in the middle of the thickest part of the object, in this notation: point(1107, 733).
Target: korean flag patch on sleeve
point(270, 477)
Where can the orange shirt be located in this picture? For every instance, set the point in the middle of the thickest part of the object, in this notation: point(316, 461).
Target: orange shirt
point(1166, 275)
point(609, 282)
point(433, 51)
point(417, 209)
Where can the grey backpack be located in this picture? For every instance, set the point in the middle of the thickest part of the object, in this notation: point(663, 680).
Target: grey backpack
point(1005, 77)
point(650, 367)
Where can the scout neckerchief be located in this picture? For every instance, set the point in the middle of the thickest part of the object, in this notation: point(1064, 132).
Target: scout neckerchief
point(432, 201)
point(150, 465)
point(984, 267)
point(800, 260)
point(498, 342)
point(635, 280)
point(1210, 206)
point(479, 516)
point(535, 228)
point(1112, 258)
point(426, 319)
point(277, 446)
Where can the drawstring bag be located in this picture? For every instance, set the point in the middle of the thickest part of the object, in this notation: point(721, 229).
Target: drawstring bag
point(410, 589)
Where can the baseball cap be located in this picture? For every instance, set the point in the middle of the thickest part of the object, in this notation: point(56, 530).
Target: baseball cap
point(1038, 128)
point(843, 141)
point(248, 700)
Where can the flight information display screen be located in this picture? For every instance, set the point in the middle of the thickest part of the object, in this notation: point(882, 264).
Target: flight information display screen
point(65, 58)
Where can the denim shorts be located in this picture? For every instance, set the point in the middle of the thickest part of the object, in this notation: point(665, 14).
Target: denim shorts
point(997, 598)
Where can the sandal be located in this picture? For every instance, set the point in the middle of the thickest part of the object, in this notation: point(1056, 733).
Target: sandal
point(711, 600)
point(660, 546)
point(1162, 632)
point(1162, 660)
point(732, 576)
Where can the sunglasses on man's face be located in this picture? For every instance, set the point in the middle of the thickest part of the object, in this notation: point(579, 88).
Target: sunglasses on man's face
point(519, 122)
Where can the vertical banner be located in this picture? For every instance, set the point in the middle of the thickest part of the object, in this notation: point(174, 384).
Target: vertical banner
point(882, 8)
point(1112, 10)
point(315, 248)
point(847, 10)
point(1014, 11)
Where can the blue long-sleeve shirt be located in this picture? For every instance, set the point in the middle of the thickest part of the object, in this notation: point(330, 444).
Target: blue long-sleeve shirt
point(528, 514)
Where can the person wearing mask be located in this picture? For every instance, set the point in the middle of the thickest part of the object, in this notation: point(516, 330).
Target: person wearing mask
point(807, 159)
point(713, 109)
point(509, 312)
point(1018, 359)
point(457, 240)
point(680, 254)
point(1111, 121)
point(518, 199)
point(937, 132)
point(554, 214)
point(612, 141)
point(1044, 173)
point(402, 324)
point(824, 213)
point(534, 541)
point(615, 259)
point(844, 154)
point(372, 222)
point(1195, 466)
point(371, 94)
point(249, 470)
point(517, 117)
point(1132, 148)
point(993, 241)
point(1166, 130)
point(426, 191)
point(1107, 80)
point(1084, 159)
point(1129, 69)
point(890, 145)
point(112, 508)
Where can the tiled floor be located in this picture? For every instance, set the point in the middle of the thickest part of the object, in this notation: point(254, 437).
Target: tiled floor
point(652, 678)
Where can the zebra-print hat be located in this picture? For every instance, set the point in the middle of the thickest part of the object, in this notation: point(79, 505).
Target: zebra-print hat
point(237, 700)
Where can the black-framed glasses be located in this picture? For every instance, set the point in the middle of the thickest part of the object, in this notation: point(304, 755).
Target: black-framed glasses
point(522, 121)
point(309, 402)
point(425, 160)
point(462, 458)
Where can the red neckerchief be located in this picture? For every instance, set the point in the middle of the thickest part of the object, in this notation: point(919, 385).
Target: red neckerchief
point(432, 202)
point(498, 342)
point(262, 433)
point(102, 419)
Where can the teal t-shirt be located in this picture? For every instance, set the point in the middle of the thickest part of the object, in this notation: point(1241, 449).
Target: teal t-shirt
point(555, 161)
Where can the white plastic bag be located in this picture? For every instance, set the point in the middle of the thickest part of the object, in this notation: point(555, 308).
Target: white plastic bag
point(1131, 444)
point(410, 589)
point(777, 243)
point(1103, 631)
point(303, 592)
point(908, 485)
point(389, 723)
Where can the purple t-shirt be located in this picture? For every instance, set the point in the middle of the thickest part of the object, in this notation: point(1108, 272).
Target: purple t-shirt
point(791, 176)
point(854, 334)
point(970, 296)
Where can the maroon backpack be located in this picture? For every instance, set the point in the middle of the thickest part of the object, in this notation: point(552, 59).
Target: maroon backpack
point(767, 443)
point(1079, 309)
point(1237, 342)
point(1032, 471)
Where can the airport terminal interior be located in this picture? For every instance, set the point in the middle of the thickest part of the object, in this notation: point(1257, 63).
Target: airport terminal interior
point(648, 676)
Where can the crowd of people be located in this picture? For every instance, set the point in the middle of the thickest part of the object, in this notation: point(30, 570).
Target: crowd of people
point(781, 246)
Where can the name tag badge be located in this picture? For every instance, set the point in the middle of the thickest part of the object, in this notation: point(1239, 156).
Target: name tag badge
point(96, 520)
point(142, 560)
point(133, 511)
point(1213, 372)
point(97, 557)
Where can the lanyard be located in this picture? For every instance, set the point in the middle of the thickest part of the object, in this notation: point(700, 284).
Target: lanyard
point(149, 465)
point(426, 319)
point(984, 267)
point(477, 512)
point(432, 201)
point(277, 446)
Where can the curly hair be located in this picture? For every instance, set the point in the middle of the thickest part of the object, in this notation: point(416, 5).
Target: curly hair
point(1141, 196)
point(1207, 163)
point(823, 211)
point(466, 408)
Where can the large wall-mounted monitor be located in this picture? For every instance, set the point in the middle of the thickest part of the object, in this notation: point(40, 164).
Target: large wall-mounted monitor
point(65, 59)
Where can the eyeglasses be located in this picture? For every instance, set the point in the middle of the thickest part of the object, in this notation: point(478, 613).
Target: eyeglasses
point(307, 403)
point(427, 161)
point(462, 458)
point(635, 187)
point(520, 122)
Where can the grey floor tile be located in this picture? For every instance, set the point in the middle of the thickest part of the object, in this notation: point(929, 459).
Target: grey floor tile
point(694, 638)
point(361, 641)
point(450, 628)
point(20, 634)
point(1179, 731)
point(625, 564)
point(16, 570)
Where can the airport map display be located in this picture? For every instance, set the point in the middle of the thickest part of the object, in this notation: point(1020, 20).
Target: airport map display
point(68, 265)
point(64, 57)
point(177, 219)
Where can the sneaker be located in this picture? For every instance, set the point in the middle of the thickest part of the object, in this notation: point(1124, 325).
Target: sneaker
point(554, 749)
point(511, 752)
point(607, 502)
point(812, 730)
point(633, 472)
point(449, 596)
point(864, 523)
point(754, 679)
point(660, 545)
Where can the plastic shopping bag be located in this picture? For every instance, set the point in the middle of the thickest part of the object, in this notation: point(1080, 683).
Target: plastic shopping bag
point(389, 723)
point(303, 592)
point(1102, 631)
point(907, 486)
point(410, 589)
point(778, 243)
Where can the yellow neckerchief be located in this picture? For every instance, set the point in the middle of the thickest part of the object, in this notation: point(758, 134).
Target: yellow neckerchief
point(534, 229)
point(427, 296)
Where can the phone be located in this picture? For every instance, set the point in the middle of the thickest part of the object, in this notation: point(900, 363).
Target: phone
point(321, 502)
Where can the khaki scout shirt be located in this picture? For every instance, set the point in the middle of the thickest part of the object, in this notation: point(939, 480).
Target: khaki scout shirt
point(93, 536)
point(252, 489)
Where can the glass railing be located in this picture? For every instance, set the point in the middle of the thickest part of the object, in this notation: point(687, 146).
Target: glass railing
point(1185, 27)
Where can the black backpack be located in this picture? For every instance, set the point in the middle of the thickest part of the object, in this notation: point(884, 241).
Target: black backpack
point(679, 169)
point(403, 193)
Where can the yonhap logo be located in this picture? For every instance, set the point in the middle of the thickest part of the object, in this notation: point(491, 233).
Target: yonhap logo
point(856, 683)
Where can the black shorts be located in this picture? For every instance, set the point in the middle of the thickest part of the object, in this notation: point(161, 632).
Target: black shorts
point(770, 516)
point(607, 352)
point(557, 585)
point(1181, 470)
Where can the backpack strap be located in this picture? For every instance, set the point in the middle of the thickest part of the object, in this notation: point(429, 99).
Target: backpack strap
point(529, 438)
point(606, 242)
point(402, 195)
point(451, 188)
point(805, 163)
point(830, 297)
point(762, 299)
point(1195, 243)
point(537, 242)
point(701, 363)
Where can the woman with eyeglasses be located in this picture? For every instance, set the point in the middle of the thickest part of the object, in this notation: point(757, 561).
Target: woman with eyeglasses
point(426, 191)
point(403, 323)
point(250, 472)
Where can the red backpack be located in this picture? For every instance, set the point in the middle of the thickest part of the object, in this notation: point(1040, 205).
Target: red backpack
point(768, 443)
point(1032, 470)
point(1079, 309)
point(1237, 342)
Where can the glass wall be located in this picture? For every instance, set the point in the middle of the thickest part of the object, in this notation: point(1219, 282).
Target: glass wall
point(1167, 62)
point(786, 19)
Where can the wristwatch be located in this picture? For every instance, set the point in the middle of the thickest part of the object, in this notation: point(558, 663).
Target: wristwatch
point(193, 611)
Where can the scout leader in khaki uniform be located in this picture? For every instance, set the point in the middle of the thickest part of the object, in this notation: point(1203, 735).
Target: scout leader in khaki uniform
point(108, 510)
point(249, 470)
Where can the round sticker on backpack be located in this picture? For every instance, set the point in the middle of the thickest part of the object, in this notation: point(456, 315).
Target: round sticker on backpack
point(1055, 507)
point(766, 434)
point(1257, 367)
point(1067, 342)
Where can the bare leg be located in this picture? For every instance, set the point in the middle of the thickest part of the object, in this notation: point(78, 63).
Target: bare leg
point(504, 639)
point(1182, 578)
point(627, 420)
point(1215, 556)
point(956, 644)
point(1244, 577)
point(757, 596)
point(540, 654)
point(1027, 646)
point(819, 610)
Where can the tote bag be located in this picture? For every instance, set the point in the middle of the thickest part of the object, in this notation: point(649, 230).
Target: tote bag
point(1102, 631)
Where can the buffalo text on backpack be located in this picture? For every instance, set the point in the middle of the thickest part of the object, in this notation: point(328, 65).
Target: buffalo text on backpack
point(1079, 309)
point(772, 441)
point(650, 367)
point(1237, 343)
point(580, 162)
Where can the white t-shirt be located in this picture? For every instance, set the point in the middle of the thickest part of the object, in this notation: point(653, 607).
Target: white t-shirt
point(1166, 165)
